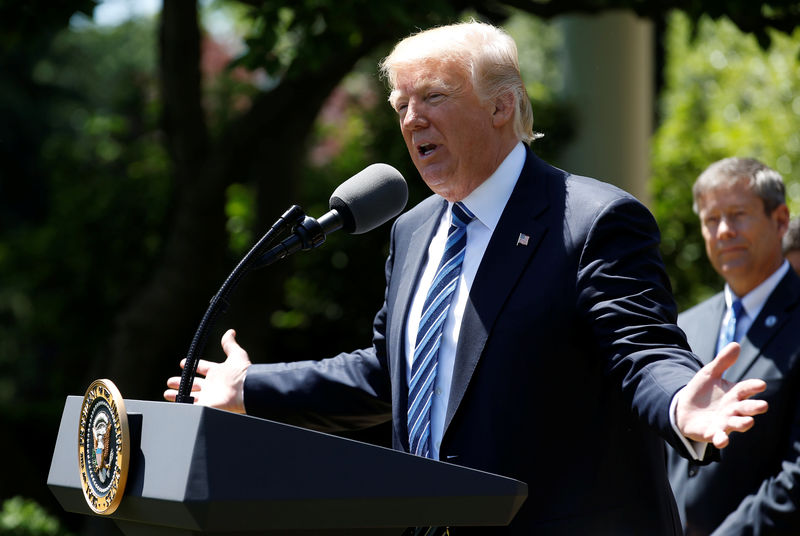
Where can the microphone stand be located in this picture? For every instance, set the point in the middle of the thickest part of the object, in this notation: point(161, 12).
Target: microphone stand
point(294, 216)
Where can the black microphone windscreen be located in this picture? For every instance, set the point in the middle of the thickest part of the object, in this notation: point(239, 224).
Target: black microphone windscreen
point(370, 198)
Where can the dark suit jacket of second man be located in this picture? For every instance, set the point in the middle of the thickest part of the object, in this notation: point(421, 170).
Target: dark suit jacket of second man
point(755, 487)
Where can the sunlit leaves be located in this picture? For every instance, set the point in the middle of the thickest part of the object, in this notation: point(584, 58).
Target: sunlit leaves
point(240, 211)
point(725, 96)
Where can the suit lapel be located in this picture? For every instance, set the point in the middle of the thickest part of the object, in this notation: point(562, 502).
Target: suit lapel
point(502, 265)
point(703, 346)
point(775, 313)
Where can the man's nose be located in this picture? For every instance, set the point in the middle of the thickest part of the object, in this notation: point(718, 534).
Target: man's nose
point(726, 229)
point(414, 116)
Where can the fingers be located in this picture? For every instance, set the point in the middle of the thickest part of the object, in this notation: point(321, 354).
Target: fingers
point(726, 357)
point(720, 439)
point(747, 388)
point(735, 424)
point(203, 366)
point(740, 424)
point(214, 382)
point(232, 349)
point(229, 343)
point(175, 383)
point(751, 407)
point(171, 394)
point(746, 406)
point(229, 346)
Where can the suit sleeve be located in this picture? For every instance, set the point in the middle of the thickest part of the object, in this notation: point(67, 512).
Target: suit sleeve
point(773, 508)
point(625, 298)
point(345, 392)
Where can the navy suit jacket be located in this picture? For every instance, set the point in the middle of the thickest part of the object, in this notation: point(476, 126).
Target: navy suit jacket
point(565, 368)
point(755, 487)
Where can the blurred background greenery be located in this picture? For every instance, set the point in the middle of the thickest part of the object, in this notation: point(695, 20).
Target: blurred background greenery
point(140, 157)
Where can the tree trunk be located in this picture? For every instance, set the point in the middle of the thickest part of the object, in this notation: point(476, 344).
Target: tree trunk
point(266, 145)
point(152, 334)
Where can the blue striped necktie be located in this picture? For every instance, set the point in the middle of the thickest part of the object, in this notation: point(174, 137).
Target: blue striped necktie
point(729, 329)
point(429, 336)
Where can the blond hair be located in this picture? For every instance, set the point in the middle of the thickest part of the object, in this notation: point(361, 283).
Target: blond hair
point(485, 53)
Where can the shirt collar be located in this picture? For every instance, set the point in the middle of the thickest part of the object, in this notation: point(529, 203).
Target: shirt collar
point(489, 199)
point(754, 300)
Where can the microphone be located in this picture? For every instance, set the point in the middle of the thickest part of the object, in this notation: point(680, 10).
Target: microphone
point(363, 202)
point(369, 198)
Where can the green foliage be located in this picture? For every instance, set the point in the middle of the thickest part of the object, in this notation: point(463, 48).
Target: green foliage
point(724, 96)
point(356, 128)
point(106, 196)
point(755, 18)
point(539, 44)
point(24, 517)
point(103, 188)
point(241, 213)
point(26, 33)
point(305, 35)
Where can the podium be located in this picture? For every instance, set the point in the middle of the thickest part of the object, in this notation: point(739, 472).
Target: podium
point(197, 470)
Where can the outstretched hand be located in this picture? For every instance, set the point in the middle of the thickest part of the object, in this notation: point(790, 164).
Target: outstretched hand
point(709, 408)
point(222, 386)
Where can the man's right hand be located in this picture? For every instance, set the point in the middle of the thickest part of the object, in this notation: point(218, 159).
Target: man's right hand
point(222, 384)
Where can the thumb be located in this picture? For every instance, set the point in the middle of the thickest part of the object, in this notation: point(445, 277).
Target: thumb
point(723, 361)
point(232, 348)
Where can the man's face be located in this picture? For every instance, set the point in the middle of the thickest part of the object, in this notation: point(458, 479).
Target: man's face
point(452, 137)
point(743, 243)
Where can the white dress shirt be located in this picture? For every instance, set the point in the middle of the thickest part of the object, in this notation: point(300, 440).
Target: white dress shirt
point(487, 202)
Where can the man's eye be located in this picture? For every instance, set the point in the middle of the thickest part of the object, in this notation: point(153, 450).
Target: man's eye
point(434, 97)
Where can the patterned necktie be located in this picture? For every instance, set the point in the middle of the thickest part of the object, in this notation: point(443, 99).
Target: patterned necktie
point(729, 330)
point(429, 336)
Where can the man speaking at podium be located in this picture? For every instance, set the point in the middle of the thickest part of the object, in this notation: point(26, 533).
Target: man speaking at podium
point(528, 327)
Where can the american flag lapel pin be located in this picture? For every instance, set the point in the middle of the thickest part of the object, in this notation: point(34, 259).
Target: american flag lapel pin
point(522, 239)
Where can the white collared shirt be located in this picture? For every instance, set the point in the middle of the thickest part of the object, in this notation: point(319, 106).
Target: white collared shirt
point(487, 202)
point(752, 302)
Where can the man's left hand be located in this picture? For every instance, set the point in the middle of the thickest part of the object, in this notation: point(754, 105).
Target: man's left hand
point(709, 408)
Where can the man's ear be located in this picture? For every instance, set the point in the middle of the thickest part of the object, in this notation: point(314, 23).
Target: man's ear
point(503, 109)
point(781, 217)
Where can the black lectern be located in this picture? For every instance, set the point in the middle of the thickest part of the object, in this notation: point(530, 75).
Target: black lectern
point(196, 470)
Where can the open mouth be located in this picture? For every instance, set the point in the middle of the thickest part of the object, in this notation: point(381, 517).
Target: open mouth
point(426, 148)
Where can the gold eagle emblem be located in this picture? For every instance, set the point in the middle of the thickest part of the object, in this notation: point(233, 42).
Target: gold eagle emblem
point(101, 441)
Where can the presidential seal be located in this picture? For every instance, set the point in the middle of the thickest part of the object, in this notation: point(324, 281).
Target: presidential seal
point(103, 447)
